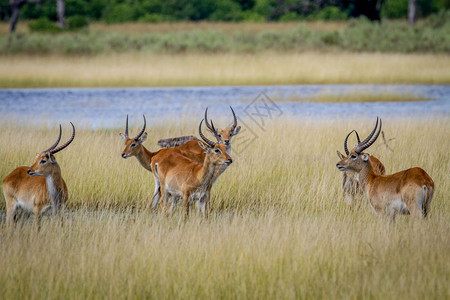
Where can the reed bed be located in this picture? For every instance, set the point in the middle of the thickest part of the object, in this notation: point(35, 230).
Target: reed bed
point(279, 227)
point(137, 69)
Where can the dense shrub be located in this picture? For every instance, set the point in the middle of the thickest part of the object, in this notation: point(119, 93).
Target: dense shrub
point(290, 16)
point(252, 16)
point(438, 20)
point(331, 13)
point(43, 25)
point(226, 10)
point(399, 8)
point(121, 13)
point(155, 18)
point(76, 22)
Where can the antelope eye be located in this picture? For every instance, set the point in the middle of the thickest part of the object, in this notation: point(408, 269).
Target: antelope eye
point(133, 145)
point(217, 151)
point(353, 156)
point(219, 135)
point(43, 161)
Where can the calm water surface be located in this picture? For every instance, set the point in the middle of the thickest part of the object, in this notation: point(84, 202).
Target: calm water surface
point(107, 107)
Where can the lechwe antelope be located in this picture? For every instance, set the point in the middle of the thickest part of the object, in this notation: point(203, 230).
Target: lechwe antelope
point(39, 187)
point(350, 186)
point(181, 177)
point(223, 136)
point(189, 148)
point(134, 147)
point(406, 192)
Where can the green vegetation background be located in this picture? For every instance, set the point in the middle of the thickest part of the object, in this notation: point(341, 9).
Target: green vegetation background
point(357, 35)
point(430, 35)
point(117, 11)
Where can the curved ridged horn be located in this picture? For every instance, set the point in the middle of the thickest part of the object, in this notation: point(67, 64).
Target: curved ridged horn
point(357, 137)
point(142, 131)
point(368, 142)
point(345, 142)
point(370, 135)
point(233, 127)
point(210, 126)
point(346, 138)
point(210, 143)
point(56, 150)
point(57, 141)
point(126, 128)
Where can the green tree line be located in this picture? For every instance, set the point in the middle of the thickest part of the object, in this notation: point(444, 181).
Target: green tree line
point(118, 11)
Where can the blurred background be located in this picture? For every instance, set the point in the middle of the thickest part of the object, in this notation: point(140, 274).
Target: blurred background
point(210, 26)
point(270, 46)
point(79, 13)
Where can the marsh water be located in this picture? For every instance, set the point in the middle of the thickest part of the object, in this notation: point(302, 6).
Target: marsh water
point(107, 107)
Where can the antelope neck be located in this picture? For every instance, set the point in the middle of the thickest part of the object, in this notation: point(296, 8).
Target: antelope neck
point(145, 158)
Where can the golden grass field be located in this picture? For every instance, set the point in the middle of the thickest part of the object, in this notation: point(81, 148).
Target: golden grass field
point(279, 228)
point(138, 69)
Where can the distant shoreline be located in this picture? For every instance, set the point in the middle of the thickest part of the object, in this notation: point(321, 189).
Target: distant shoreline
point(165, 70)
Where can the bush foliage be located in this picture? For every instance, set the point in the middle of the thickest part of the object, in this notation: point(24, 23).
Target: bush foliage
point(360, 35)
point(118, 11)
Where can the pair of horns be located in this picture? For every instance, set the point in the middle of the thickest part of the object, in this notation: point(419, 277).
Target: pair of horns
point(140, 133)
point(346, 138)
point(204, 138)
point(53, 149)
point(367, 142)
point(211, 127)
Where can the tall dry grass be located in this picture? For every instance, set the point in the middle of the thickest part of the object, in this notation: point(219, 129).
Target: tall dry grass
point(139, 69)
point(279, 227)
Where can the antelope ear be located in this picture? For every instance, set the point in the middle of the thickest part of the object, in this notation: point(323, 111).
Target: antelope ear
point(204, 146)
point(236, 131)
point(365, 157)
point(341, 156)
point(52, 159)
point(142, 138)
point(123, 136)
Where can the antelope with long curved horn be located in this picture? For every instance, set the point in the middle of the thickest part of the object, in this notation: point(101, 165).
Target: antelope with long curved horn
point(350, 186)
point(181, 177)
point(223, 136)
point(39, 187)
point(405, 192)
point(190, 149)
point(134, 147)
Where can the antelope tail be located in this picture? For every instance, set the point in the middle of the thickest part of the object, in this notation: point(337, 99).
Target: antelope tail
point(175, 142)
point(427, 197)
point(157, 194)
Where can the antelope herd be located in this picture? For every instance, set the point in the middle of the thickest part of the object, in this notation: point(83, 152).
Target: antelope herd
point(187, 167)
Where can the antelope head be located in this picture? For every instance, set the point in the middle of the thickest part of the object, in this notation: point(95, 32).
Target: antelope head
point(342, 156)
point(45, 163)
point(216, 152)
point(356, 159)
point(133, 145)
point(223, 136)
